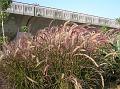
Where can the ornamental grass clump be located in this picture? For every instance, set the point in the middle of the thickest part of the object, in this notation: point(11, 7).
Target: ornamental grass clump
point(66, 57)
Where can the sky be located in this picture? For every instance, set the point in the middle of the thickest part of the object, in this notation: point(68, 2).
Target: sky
point(102, 8)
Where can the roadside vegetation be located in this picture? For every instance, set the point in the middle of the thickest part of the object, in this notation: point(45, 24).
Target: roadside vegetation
point(63, 57)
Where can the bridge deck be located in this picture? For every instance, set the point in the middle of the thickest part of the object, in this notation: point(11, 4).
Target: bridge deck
point(47, 12)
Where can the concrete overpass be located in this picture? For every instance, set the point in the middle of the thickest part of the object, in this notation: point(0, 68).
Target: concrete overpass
point(53, 13)
point(42, 16)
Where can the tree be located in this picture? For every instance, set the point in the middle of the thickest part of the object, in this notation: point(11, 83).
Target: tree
point(118, 20)
point(4, 4)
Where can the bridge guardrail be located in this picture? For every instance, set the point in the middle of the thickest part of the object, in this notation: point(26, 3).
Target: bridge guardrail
point(28, 10)
point(36, 10)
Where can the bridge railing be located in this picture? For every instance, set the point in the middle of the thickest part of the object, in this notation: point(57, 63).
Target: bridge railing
point(41, 11)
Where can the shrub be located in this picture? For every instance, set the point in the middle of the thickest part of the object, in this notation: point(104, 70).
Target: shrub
point(65, 57)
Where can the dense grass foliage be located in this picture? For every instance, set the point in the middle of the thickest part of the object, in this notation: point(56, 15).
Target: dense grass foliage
point(66, 57)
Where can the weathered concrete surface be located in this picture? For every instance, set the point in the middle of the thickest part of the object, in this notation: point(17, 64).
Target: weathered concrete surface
point(54, 13)
point(15, 22)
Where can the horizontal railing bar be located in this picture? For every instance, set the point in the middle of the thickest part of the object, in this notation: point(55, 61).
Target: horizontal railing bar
point(48, 12)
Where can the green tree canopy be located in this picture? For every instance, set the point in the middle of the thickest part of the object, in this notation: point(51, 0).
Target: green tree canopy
point(4, 4)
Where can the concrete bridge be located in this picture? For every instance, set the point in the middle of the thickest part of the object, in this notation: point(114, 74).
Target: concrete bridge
point(42, 16)
point(53, 13)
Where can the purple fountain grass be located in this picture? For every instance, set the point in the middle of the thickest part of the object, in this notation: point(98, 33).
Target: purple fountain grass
point(64, 38)
point(68, 50)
